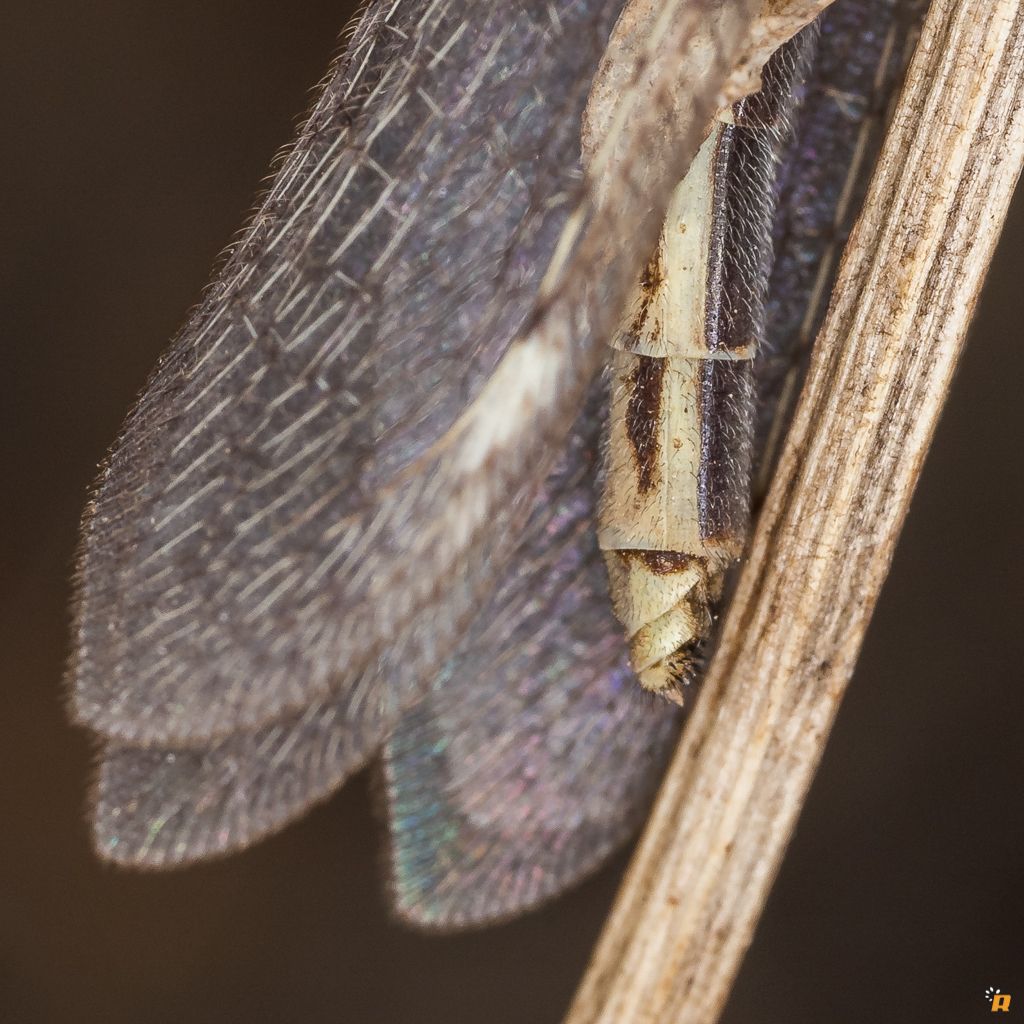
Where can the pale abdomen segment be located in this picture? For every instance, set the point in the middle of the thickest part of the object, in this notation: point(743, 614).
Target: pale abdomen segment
point(675, 509)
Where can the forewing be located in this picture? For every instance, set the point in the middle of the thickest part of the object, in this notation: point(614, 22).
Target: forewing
point(326, 466)
point(535, 754)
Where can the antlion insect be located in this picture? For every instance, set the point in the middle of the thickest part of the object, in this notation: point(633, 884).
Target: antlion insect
point(353, 511)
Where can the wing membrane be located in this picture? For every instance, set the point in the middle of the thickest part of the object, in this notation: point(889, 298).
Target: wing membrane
point(252, 503)
point(162, 807)
point(534, 755)
point(328, 466)
point(550, 755)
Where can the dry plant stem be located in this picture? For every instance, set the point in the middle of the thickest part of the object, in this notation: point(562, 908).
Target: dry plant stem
point(881, 370)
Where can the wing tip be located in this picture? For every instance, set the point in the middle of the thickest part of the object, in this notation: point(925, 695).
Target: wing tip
point(424, 912)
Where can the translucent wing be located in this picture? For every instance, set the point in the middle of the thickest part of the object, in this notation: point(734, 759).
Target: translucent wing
point(535, 755)
point(254, 504)
point(550, 755)
point(160, 807)
point(327, 468)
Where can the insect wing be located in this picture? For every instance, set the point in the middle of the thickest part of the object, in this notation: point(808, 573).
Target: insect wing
point(252, 507)
point(160, 807)
point(535, 755)
point(326, 466)
point(502, 796)
point(532, 758)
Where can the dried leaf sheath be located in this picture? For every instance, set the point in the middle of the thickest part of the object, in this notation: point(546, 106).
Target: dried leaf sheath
point(277, 513)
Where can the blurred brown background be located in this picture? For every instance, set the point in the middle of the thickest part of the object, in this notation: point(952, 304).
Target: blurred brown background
point(136, 136)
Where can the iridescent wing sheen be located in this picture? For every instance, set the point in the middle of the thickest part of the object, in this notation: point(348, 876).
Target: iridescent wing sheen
point(535, 754)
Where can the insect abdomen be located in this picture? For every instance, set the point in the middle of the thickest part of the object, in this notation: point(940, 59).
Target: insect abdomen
point(675, 509)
